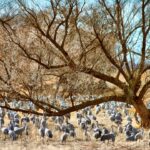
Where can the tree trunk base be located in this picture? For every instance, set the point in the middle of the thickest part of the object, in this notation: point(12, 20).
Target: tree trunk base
point(144, 113)
point(146, 125)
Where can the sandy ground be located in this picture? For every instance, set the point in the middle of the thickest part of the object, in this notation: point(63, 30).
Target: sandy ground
point(73, 145)
point(33, 141)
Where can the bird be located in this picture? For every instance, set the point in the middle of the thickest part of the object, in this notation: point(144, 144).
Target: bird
point(12, 135)
point(19, 131)
point(48, 133)
point(5, 131)
point(64, 137)
point(86, 134)
point(97, 134)
point(1, 122)
point(72, 133)
point(139, 135)
point(120, 129)
point(108, 136)
point(43, 123)
point(42, 132)
point(98, 109)
point(25, 120)
point(131, 137)
point(16, 120)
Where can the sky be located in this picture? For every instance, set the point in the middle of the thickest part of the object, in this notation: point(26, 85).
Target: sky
point(44, 3)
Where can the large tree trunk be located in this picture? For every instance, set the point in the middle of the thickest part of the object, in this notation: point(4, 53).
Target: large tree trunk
point(143, 112)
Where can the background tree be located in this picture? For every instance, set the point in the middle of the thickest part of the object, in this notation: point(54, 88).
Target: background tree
point(76, 47)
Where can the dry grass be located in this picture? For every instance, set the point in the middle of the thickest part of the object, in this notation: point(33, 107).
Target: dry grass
point(33, 141)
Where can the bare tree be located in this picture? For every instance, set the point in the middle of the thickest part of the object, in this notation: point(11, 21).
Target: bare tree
point(77, 47)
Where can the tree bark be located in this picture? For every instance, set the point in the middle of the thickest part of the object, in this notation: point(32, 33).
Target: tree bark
point(143, 112)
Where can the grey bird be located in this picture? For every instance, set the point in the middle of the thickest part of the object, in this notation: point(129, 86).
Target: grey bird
point(48, 133)
point(64, 137)
point(19, 131)
point(12, 135)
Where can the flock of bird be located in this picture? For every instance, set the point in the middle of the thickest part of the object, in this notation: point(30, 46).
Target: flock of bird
point(87, 121)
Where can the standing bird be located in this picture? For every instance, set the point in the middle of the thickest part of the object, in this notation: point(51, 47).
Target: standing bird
point(5, 131)
point(86, 135)
point(72, 133)
point(64, 137)
point(48, 133)
point(98, 109)
point(1, 122)
point(19, 131)
point(12, 135)
point(43, 123)
point(139, 135)
point(42, 132)
point(97, 133)
point(120, 129)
